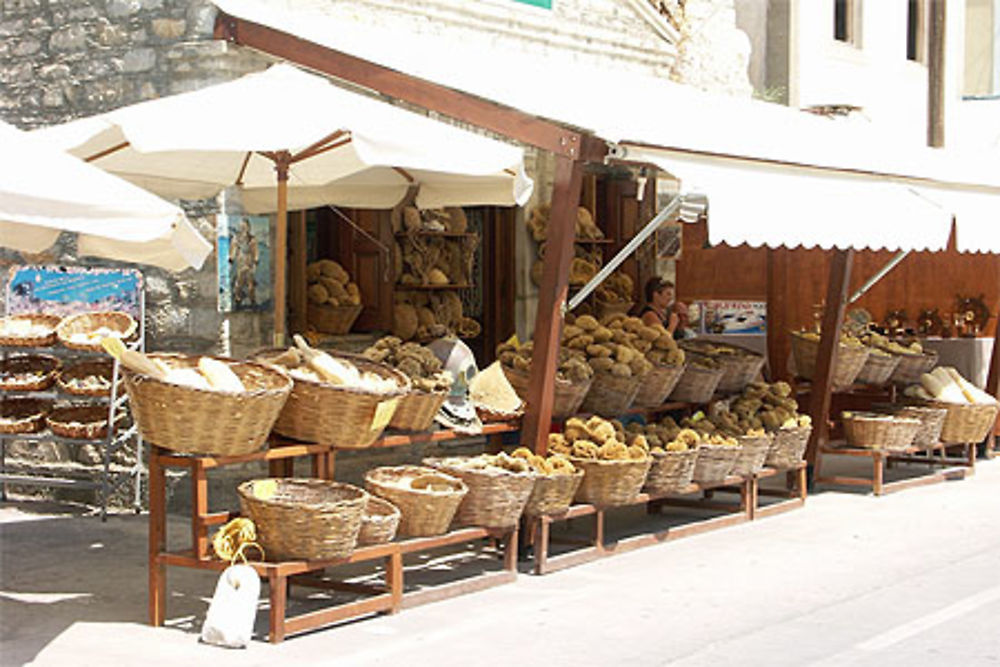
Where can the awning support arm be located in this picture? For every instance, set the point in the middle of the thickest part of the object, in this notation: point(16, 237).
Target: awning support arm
point(890, 265)
point(665, 213)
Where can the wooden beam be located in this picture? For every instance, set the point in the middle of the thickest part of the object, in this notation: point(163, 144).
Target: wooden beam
point(297, 271)
point(826, 361)
point(509, 122)
point(777, 314)
point(551, 297)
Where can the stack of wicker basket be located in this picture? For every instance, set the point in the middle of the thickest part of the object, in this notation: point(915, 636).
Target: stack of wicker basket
point(496, 498)
point(427, 499)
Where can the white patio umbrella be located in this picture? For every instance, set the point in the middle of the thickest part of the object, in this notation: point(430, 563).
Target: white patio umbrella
point(44, 192)
point(292, 140)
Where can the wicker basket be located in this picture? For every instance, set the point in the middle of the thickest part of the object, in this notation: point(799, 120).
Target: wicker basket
point(714, 463)
point(41, 339)
point(568, 395)
point(553, 494)
point(496, 498)
point(610, 483)
point(28, 372)
point(966, 422)
point(424, 512)
point(22, 415)
point(336, 415)
point(70, 378)
point(671, 472)
point(931, 423)
point(740, 367)
point(697, 384)
point(87, 422)
point(203, 421)
point(912, 366)
point(657, 385)
point(871, 430)
point(332, 319)
point(379, 521)
point(610, 395)
point(753, 454)
point(303, 519)
point(416, 410)
point(878, 368)
point(850, 360)
point(788, 447)
point(85, 323)
point(606, 308)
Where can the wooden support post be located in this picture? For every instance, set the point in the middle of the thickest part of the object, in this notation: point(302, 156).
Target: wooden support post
point(281, 247)
point(826, 361)
point(278, 594)
point(157, 538)
point(551, 297)
point(777, 314)
point(199, 508)
point(297, 271)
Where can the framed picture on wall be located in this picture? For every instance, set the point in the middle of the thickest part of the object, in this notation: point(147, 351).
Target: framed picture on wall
point(745, 317)
point(668, 240)
point(244, 263)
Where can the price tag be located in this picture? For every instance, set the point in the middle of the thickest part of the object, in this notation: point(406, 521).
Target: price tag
point(265, 489)
point(383, 413)
point(513, 340)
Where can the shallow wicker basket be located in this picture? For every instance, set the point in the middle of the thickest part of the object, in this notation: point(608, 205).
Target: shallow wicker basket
point(931, 422)
point(379, 521)
point(28, 372)
point(568, 395)
point(332, 319)
point(753, 454)
point(878, 368)
point(611, 483)
point(788, 447)
point(304, 519)
point(739, 368)
point(336, 415)
point(496, 498)
point(657, 385)
point(416, 410)
point(87, 422)
point(42, 339)
point(610, 395)
point(204, 421)
point(966, 422)
point(912, 366)
point(69, 378)
point(871, 430)
point(714, 463)
point(850, 360)
point(121, 323)
point(697, 384)
point(22, 415)
point(670, 472)
point(423, 512)
point(553, 494)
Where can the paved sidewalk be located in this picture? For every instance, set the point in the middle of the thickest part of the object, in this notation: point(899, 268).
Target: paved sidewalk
point(911, 578)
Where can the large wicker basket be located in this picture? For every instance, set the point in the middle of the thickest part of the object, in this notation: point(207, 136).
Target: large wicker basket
point(697, 384)
point(966, 422)
point(22, 415)
point(416, 410)
point(878, 368)
point(739, 365)
point(657, 385)
point(879, 431)
point(912, 366)
point(28, 372)
point(670, 472)
point(303, 519)
point(379, 521)
point(339, 416)
point(714, 463)
point(122, 324)
point(931, 422)
point(72, 380)
point(496, 498)
point(204, 421)
point(611, 483)
point(568, 395)
point(332, 319)
point(788, 447)
point(553, 493)
point(87, 422)
point(753, 454)
point(424, 511)
point(610, 395)
point(45, 336)
point(850, 360)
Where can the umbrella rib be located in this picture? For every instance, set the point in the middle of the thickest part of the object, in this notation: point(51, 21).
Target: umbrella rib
point(405, 174)
point(106, 152)
point(308, 150)
point(319, 151)
point(243, 168)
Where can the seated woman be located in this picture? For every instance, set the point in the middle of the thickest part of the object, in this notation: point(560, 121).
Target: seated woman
point(662, 308)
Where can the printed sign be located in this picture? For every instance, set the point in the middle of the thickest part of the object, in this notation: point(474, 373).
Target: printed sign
point(65, 290)
point(383, 413)
point(734, 317)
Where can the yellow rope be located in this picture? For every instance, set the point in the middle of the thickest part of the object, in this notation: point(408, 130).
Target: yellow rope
point(231, 540)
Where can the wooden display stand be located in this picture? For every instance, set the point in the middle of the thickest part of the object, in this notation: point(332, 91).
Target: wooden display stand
point(959, 467)
point(389, 597)
point(792, 497)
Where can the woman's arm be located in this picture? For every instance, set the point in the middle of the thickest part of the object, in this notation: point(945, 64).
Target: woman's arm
point(650, 318)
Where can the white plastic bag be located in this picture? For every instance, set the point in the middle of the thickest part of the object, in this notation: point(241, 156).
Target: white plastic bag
point(231, 614)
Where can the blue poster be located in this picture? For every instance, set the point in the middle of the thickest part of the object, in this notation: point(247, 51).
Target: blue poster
point(244, 246)
point(65, 290)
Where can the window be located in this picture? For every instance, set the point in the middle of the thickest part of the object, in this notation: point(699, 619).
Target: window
point(842, 20)
point(916, 31)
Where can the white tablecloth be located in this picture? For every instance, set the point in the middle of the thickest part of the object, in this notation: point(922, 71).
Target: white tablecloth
point(969, 356)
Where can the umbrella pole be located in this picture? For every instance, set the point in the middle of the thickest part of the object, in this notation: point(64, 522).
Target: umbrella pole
point(281, 163)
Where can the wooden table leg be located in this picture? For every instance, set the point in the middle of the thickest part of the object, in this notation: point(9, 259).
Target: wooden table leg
point(394, 579)
point(747, 502)
point(803, 483)
point(199, 508)
point(157, 539)
point(510, 551)
point(541, 545)
point(878, 470)
point(278, 593)
point(599, 530)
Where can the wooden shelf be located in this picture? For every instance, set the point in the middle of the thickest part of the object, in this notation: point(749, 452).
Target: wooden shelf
point(404, 288)
point(446, 235)
point(594, 241)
